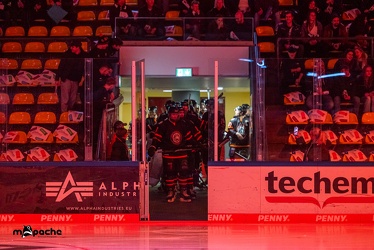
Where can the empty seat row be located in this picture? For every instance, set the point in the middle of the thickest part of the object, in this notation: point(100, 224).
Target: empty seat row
point(42, 31)
point(42, 117)
point(34, 47)
point(12, 64)
point(28, 98)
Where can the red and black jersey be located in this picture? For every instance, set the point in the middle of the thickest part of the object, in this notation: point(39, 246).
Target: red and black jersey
point(172, 136)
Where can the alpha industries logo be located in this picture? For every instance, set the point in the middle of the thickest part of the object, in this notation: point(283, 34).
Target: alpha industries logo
point(220, 217)
point(61, 190)
point(315, 185)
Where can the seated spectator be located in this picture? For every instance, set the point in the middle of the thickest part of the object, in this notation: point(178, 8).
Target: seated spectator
point(195, 21)
point(113, 47)
point(153, 25)
point(337, 33)
point(265, 9)
point(219, 10)
point(320, 95)
point(364, 88)
point(100, 49)
point(348, 60)
point(343, 90)
point(289, 29)
point(328, 8)
point(292, 71)
point(217, 30)
point(245, 6)
point(311, 30)
point(361, 58)
point(100, 75)
point(305, 8)
point(241, 29)
point(124, 26)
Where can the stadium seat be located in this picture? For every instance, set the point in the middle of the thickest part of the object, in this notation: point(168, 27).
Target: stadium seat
point(73, 141)
point(45, 117)
point(8, 64)
point(11, 47)
point(87, 3)
point(172, 15)
point(64, 119)
point(265, 31)
point(60, 31)
point(331, 63)
point(23, 99)
point(49, 139)
point(31, 64)
point(15, 31)
point(86, 15)
point(20, 118)
point(106, 2)
point(287, 3)
point(52, 64)
point(177, 32)
point(19, 137)
point(287, 102)
point(82, 31)
point(351, 121)
point(344, 139)
point(327, 121)
point(103, 31)
point(309, 64)
point(34, 47)
point(37, 31)
point(57, 47)
point(103, 15)
point(2, 118)
point(266, 47)
point(132, 2)
point(48, 98)
point(4, 98)
point(367, 118)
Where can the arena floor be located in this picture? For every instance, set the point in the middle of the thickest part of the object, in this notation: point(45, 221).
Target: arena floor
point(195, 235)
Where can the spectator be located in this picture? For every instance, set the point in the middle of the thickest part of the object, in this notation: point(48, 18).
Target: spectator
point(241, 29)
point(289, 29)
point(125, 25)
point(119, 148)
point(337, 33)
point(219, 10)
point(328, 8)
point(320, 91)
point(367, 7)
point(101, 75)
point(319, 146)
point(264, 9)
point(100, 49)
point(305, 8)
point(69, 74)
point(245, 6)
point(113, 47)
point(194, 21)
point(359, 26)
point(311, 30)
point(343, 90)
point(349, 61)
point(365, 88)
point(292, 71)
point(151, 26)
point(362, 59)
point(217, 30)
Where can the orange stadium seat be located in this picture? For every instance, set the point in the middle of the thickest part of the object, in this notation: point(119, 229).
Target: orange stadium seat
point(367, 118)
point(8, 64)
point(103, 15)
point(4, 98)
point(2, 118)
point(87, 3)
point(45, 117)
point(331, 63)
point(86, 15)
point(265, 31)
point(35, 47)
point(20, 118)
point(172, 15)
point(82, 31)
point(106, 2)
point(11, 47)
point(23, 99)
point(31, 64)
point(52, 64)
point(266, 47)
point(48, 98)
point(15, 31)
point(57, 47)
point(60, 31)
point(37, 31)
point(103, 31)
point(286, 3)
point(19, 137)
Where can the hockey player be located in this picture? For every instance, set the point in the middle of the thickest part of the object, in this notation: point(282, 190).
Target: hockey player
point(173, 136)
point(239, 133)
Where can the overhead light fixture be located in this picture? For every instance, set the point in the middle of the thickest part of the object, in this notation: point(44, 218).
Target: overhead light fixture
point(167, 91)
